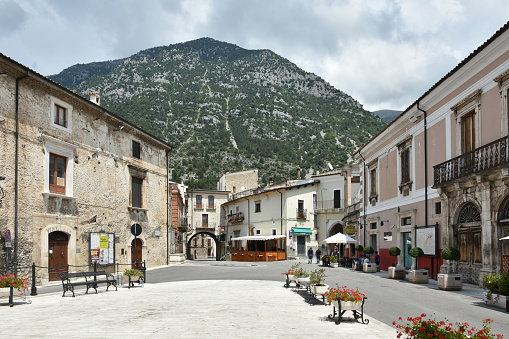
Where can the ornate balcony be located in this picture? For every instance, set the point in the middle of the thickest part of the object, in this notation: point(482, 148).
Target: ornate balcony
point(302, 213)
point(487, 157)
point(235, 218)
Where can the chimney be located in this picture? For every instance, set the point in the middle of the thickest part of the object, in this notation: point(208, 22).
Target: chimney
point(95, 97)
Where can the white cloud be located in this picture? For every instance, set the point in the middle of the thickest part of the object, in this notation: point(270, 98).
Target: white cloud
point(385, 53)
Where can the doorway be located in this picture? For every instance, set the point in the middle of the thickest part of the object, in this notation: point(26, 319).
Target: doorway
point(301, 245)
point(58, 243)
point(136, 245)
point(407, 245)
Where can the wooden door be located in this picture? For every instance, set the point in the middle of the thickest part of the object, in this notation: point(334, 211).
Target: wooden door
point(139, 252)
point(57, 256)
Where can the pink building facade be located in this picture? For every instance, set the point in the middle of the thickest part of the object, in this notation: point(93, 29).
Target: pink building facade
point(437, 175)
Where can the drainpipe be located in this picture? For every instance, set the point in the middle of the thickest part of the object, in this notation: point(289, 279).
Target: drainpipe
point(364, 198)
point(168, 206)
point(426, 221)
point(16, 175)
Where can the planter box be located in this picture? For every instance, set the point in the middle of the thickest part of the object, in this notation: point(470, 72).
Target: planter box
point(397, 273)
point(450, 282)
point(369, 268)
point(358, 267)
point(319, 289)
point(304, 281)
point(418, 276)
point(501, 302)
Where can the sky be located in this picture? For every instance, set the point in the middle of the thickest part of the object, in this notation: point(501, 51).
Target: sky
point(383, 53)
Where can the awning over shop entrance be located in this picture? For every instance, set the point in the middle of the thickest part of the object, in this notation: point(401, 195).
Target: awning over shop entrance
point(301, 231)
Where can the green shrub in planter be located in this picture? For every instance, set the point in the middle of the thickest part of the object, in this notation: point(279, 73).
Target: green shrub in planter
point(451, 253)
point(394, 252)
point(317, 276)
point(133, 273)
point(369, 250)
point(359, 248)
point(416, 252)
point(497, 283)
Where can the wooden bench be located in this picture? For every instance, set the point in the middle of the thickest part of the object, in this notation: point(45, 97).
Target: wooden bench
point(88, 279)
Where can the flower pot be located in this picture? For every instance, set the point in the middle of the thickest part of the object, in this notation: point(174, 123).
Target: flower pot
point(304, 281)
point(369, 267)
point(418, 276)
point(292, 277)
point(319, 289)
point(133, 279)
point(358, 267)
point(450, 282)
point(495, 300)
point(351, 305)
point(397, 273)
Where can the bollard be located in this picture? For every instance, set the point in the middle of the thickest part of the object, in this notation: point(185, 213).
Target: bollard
point(34, 287)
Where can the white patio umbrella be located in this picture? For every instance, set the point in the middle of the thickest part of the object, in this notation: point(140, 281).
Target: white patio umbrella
point(504, 238)
point(339, 238)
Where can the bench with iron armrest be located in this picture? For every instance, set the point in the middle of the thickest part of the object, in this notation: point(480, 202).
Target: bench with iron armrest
point(88, 279)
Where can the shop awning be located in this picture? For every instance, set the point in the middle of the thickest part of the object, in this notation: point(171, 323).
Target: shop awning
point(259, 237)
point(301, 231)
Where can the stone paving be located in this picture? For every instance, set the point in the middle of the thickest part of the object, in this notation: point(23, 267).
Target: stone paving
point(186, 309)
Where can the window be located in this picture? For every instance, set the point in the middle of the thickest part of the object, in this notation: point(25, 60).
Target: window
point(372, 178)
point(199, 201)
point(405, 166)
point(503, 85)
point(372, 225)
point(438, 207)
point(258, 206)
point(468, 123)
point(57, 173)
point(60, 115)
point(211, 201)
point(204, 220)
point(273, 231)
point(58, 167)
point(258, 232)
point(300, 205)
point(373, 191)
point(406, 221)
point(337, 198)
point(136, 150)
point(315, 201)
point(136, 189)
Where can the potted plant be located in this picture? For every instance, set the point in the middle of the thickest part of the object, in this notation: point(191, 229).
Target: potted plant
point(333, 259)
point(498, 290)
point(350, 299)
point(396, 271)
point(415, 275)
point(132, 275)
point(316, 279)
point(8, 281)
point(371, 266)
point(359, 249)
point(448, 279)
point(301, 275)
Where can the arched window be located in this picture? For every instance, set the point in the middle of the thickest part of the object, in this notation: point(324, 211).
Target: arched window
point(469, 213)
point(505, 211)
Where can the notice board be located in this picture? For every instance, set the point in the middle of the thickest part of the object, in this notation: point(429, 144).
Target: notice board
point(102, 248)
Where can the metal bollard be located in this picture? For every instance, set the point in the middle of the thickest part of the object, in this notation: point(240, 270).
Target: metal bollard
point(34, 287)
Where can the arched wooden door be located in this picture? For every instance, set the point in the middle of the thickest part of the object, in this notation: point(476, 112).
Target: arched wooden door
point(139, 251)
point(58, 243)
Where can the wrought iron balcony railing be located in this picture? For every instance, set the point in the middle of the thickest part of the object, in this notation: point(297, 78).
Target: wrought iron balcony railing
point(487, 157)
point(302, 213)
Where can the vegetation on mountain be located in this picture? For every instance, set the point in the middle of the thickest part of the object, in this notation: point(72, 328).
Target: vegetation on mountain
point(225, 108)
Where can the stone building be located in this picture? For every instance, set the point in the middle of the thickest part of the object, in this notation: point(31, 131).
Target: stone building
point(77, 178)
point(238, 181)
point(178, 224)
point(205, 220)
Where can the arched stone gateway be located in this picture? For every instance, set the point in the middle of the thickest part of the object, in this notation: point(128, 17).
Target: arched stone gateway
point(345, 250)
point(189, 243)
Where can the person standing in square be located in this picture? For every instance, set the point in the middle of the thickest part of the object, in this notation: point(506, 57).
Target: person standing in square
point(310, 255)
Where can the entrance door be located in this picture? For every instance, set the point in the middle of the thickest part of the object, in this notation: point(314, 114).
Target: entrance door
point(57, 256)
point(301, 245)
point(139, 251)
point(407, 245)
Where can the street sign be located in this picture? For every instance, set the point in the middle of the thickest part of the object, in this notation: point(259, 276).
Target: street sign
point(136, 229)
point(8, 235)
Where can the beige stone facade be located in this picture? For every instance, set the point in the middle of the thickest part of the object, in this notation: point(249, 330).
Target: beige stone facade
point(74, 169)
point(238, 181)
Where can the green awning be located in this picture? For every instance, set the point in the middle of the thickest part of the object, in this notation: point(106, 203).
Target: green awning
point(301, 231)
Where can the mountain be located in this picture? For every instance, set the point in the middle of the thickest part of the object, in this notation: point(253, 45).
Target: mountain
point(387, 114)
point(225, 108)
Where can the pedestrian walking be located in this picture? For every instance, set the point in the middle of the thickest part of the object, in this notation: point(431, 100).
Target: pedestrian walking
point(318, 255)
point(377, 261)
point(310, 255)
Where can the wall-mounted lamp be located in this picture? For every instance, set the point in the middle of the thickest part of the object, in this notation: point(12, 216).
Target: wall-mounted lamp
point(119, 128)
point(414, 118)
point(382, 222)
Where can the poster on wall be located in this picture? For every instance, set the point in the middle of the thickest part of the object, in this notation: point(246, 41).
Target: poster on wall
point(102, 248)
point(426, 238)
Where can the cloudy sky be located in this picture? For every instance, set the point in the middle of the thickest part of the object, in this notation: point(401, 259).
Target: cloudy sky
point(383, 53)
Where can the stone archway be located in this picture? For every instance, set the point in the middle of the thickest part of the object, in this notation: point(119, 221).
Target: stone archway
point(344, 249)
point(212, 235)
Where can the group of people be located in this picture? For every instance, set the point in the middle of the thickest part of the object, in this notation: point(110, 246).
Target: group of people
point(360, 261)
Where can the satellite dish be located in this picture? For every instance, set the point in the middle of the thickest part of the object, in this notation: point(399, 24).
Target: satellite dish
point(242, 188)
point(330, 166)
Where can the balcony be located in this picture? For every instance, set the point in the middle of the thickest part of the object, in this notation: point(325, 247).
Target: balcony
point(208, 225)
point(235, 218)
point(487, 157)
point(302, 213)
